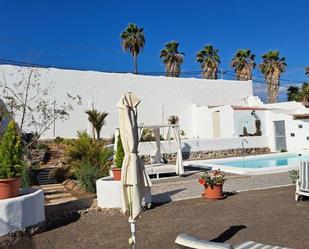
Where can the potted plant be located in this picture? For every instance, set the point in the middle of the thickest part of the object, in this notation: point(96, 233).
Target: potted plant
point(213, 183)
point(118, 160)
point(11, 162)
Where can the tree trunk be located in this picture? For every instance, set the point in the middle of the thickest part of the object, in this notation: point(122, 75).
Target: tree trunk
point(135, 62)
point(272, 89)
point(25, 104)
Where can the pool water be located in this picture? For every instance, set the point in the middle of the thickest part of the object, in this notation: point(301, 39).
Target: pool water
point(264, 162)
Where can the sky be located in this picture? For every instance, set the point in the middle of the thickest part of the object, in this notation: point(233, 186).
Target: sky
point(86, 34)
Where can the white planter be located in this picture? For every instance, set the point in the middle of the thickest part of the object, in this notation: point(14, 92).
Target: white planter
point(21, 212)
point(109, 193)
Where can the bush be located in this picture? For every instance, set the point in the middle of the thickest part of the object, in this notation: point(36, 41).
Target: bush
point(119, 153)
point(11, 153)
point(59, 140)
point(42, 146)
point(88, 157)
point(87, 174)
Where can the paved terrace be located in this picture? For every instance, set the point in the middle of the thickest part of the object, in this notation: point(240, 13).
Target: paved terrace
point(181, 188)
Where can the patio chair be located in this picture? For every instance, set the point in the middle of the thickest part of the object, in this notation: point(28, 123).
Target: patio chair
point(302, 183)
point(186, 241)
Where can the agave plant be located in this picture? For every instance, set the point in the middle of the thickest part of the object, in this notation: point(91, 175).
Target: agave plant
point(133, 40)
point(209, 59)
point(272, 67)
point(172, 59)
point(243, 64)
point(97, 119)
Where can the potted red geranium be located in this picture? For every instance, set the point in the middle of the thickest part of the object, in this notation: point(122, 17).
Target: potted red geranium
point(213, 183)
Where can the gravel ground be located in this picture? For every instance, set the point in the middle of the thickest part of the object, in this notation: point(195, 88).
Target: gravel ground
point(267, 216)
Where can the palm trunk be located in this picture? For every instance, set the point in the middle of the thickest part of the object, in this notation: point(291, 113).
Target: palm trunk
point(272, 89)
point(135, 62)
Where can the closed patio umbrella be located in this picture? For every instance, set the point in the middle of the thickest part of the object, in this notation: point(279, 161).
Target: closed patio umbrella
point(179, 159)
point(135, 181)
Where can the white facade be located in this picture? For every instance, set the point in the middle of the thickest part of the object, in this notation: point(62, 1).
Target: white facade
point(160, 96)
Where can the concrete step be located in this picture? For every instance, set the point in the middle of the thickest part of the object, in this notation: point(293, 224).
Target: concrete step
point(60, 201)
point(54, 191)
point(57, 196)
point(52, 186)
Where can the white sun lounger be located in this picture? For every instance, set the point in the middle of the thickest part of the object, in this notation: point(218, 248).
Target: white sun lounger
point(186, 241)
point(302, 183)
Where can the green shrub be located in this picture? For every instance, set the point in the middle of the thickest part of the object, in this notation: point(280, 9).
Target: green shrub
point(42, 146)
point(11, 153)
point(87, 174)
point(119, 153)
point(88, 157)
point(59, 140)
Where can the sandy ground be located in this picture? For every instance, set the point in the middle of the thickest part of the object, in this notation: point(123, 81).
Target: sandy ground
point(267, 216)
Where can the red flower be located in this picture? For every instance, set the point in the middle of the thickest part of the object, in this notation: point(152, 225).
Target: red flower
point(202, 181)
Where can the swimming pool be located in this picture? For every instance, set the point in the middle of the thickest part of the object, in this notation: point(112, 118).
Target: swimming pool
point(273, 163)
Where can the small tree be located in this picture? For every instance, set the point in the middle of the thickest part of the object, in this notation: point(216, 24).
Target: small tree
point(11, 153)
point(30, 104)
point(119, 153)
point(97, 119)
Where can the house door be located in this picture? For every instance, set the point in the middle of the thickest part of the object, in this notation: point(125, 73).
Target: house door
point(280, 139)
point(216, 124)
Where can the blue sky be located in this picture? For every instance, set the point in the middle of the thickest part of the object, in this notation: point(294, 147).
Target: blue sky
point(85, 34)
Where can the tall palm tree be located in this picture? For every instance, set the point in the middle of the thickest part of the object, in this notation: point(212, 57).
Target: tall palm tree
point(133, 40)
point(243, 64)
point(272, 67)
point(172, 59)
point(307, 71)
point(209, 59)
point(97, 119)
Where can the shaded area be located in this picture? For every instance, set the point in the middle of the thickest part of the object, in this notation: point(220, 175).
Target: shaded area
point(228, 234)
point(164, 197)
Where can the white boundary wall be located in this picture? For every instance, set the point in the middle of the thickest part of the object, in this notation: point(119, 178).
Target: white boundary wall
point(205, 144)
point(160, 96)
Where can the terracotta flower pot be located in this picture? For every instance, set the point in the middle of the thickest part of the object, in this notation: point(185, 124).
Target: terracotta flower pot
point(117, 174)
point(214, 192)
point(9, 188)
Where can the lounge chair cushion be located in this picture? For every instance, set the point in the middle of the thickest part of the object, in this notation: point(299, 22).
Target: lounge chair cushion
point(255, 245)
point(194, 243)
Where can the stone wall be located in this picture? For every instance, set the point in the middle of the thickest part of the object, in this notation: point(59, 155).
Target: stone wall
point(211, 154)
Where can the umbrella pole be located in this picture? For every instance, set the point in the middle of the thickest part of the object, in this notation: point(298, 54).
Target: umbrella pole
point(132, 239)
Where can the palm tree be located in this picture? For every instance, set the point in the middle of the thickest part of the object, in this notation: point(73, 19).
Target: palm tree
point(293, 93)
point(97, 119)
point(299, 94)
point(243, 64)
point(133, 40)
point(307, 71)
point(272, 67)
point(209, 59)
point(172, 59)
